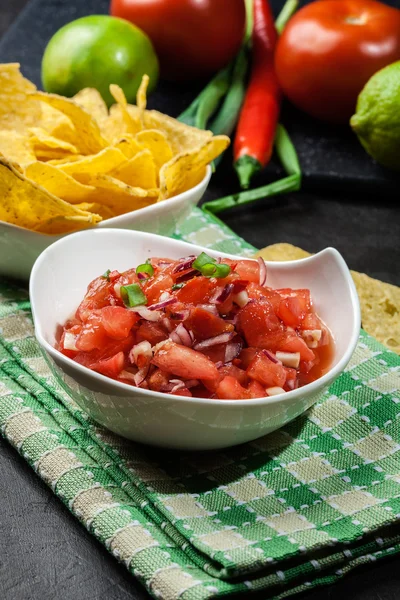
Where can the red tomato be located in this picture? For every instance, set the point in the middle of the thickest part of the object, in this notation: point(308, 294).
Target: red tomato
point(184, 362)
point(151, 332)
point(259, 324)
point(329, 50)
point(196, 291)
point(93, 335)
point(192, 38)
point(206, 325)
point(117, 321)
point(266, 372)
point(111, 367)
point(155, 287)
point(229, 388)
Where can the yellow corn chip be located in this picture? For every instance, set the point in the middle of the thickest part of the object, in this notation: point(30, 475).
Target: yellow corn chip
point(103, 162)
point(132, 124)
point(181, 137)
point(128, 145)
point(59, 183)
point(157, 143)
point(379, 301)
point(26, 204)
point(94, 207)
point(18, 109)
point(16, 147)
point(141, 95)
point(187, 169)
point(66, 159)
point(118, 196)
point(139, 171)
point(41, 139)
point(92, 102)
point(89, 139)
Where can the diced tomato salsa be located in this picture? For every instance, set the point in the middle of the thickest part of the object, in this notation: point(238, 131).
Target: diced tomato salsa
point(199, 327)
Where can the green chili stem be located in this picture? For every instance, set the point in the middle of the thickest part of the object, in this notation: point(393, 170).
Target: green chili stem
point(286, 151)
point(288, 9)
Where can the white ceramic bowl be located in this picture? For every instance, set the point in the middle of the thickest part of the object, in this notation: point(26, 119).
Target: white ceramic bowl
point(58, 282)
point(19, 247)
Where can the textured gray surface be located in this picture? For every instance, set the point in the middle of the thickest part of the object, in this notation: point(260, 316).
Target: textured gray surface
point(45, 553)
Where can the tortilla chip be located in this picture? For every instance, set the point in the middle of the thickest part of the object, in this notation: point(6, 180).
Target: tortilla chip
point(94, 207)
point(58, 183)
point(103, 162)
point(118, 196)
point(186, 169)
point(157, 143)
point(26, 204)
point(66, 159)
point(139, 171)
point(92, 102)
point(89, 139)
point(42, 140)
point(379, 301)
point(18, 109)
point(141, 94)
point(16, 147)
point(128, 145)
point(181, 137)
point(132, 124)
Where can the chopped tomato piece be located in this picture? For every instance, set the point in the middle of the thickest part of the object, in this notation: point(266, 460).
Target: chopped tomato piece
point(230, 389)
point(151, 332)
point(246, 269)
point(99, 294)
point(291, 382)
point(196, 291)
point(239, 374)
point(291, 342)
point(256, 291)
point(158, 380)
point(111, 367)
point(92, 335)
point(266, 372)
point(246, 356)
point(155, 287)
point(215, 353)
point(117, 321)
point(183, 392)
point(260, 325)
point(184, 362)
point(206, 325)
point(256, 390)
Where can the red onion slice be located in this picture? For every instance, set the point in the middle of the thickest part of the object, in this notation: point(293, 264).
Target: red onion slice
point(184, 334)
point(141, 374)
point(146, 313)
point(232, 350)
point(263, 271)
point(222, 338)
point(166, 323)
point(180, 316)
point(162, 304)
point(289, 359)
point(174, 337)
point(184, 264)
point(271, 356)
point(241, 298)
point(274, 391)
point(211, 308)
point(142, 275)
point(220, 296)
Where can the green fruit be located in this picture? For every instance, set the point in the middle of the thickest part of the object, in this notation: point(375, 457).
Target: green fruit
point(96, 51)
point(377, 118)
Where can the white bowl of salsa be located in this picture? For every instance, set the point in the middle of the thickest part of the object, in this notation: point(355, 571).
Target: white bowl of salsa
point(182, 347)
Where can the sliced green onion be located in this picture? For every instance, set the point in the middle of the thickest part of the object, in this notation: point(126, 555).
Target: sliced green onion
point(177, 286)
point(215, 270)
point(145, 268)
point(201, 260)
point(209, 270)
point(132, 295)
point(106, 275)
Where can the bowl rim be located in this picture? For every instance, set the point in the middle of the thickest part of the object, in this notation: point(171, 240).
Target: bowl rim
point(309, 388)
point(113, 221)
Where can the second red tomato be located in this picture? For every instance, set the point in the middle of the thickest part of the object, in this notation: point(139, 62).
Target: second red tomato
point(192, 38)
point(329, 50)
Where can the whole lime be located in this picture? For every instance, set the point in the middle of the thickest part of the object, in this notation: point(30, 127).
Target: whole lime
point(96, 51)
point(377, 118)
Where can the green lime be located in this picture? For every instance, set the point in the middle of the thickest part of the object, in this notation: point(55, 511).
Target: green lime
point(96, 51)
point(377, 118)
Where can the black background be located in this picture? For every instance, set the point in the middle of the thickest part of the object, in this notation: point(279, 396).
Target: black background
point(347, 202)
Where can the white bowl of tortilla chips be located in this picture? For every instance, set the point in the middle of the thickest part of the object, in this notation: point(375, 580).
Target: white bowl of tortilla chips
point(68, 164)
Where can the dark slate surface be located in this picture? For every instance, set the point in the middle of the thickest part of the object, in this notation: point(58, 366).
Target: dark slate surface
point(45, 553)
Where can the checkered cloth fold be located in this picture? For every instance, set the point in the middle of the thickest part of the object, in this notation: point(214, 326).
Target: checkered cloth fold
point(290, 511)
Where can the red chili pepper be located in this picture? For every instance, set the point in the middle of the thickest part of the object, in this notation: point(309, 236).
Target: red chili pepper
point(258, 118)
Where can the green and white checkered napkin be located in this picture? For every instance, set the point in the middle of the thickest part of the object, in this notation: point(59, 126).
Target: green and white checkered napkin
point(296, 509)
